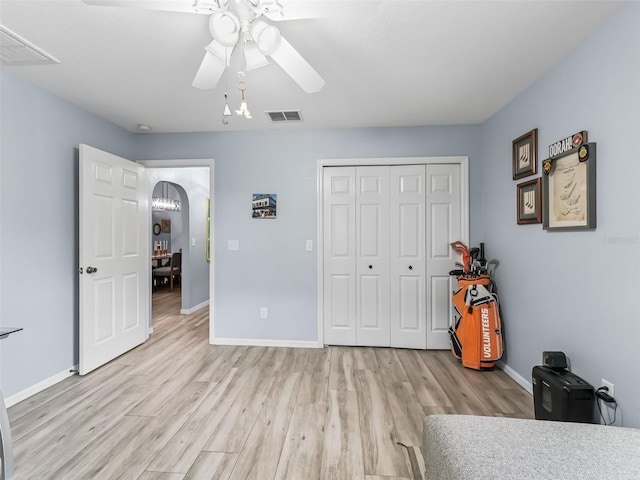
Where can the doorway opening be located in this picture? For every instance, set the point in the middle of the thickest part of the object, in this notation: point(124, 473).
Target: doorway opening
point(191, 181)
point(169, 245)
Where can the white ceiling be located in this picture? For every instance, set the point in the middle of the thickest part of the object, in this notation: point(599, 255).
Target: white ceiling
point(386, 63)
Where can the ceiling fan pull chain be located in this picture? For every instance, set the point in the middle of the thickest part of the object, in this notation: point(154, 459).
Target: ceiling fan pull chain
point(242, 86)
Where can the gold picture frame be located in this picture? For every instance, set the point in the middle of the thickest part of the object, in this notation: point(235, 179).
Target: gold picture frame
point(207, 243)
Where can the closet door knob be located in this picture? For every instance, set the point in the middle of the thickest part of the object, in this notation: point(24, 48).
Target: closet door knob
point(410, 267)
point(370, 266)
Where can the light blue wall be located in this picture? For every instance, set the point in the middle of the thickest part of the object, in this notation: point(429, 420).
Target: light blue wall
point(576, 292)
point(40, 134)
point(177, 238)
point(272, 268)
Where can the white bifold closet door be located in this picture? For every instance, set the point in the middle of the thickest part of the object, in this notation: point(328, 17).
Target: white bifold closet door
point(374, 255)
point(386, 254)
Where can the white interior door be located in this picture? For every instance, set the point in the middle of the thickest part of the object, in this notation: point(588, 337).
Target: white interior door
point(339, 240)
point(372, 256)
point(407, 231)
point(114, 257)
point(444, 225)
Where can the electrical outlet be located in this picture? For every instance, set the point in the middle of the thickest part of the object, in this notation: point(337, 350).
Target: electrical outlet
point(610, 386)
point(264, 312)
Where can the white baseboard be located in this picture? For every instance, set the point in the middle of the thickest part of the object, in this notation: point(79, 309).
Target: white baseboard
point(38, 387)
point(187, 311)
point(519, 379)
point(253, 342)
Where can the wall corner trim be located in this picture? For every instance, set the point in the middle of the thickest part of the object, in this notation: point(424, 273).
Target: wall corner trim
point(188, 311)
point(39, 387)
point(515, 376)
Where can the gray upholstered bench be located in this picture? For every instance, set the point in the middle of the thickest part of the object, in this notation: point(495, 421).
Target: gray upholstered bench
point(465, 447)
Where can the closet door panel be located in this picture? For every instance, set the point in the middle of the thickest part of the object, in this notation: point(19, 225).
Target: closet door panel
point(339, 256)
point(407, 250)
point(443, 226)
point(372, 256)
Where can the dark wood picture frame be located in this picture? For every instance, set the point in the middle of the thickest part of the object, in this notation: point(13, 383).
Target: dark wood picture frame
point(569, 190)
point(529, 198)
point(524, 155)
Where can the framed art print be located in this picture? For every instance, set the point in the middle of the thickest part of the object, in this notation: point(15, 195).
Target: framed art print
point(529, 202)
point(569, 190)
point(264, 205)
point(525, 155)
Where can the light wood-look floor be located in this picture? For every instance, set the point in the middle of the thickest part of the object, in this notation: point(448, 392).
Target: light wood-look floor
point(177, 408)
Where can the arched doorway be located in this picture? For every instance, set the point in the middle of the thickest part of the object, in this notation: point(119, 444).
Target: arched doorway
point(170, 235)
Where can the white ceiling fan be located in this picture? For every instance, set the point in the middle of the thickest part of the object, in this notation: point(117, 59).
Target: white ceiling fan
point(239, 24)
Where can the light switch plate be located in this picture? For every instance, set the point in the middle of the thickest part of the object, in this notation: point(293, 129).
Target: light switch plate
point(233, 245)
point(309, 246)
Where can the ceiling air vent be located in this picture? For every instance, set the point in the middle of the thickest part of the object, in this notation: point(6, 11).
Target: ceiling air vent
point(15, 50)
point(289, 116)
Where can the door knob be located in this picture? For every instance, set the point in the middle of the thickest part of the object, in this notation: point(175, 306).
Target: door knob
point(92, 269)
point(370, 266)
point(410, 267)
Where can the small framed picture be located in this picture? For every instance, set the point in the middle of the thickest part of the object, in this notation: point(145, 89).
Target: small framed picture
point(529, 202)
point(264, 205)
point(525, 155)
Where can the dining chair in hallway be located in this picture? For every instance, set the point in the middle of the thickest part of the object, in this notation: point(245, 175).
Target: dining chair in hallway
point(173, 270)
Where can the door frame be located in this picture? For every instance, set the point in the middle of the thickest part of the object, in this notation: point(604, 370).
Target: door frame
point(463, 161)
point(196, 162)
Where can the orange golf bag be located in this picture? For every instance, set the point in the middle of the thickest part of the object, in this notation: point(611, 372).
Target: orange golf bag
point(476, 336)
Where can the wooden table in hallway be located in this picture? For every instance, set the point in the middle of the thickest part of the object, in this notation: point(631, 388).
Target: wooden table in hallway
point(156, 260)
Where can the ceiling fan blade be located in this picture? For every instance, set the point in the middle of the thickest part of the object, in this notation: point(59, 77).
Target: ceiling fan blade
point(209, 73)
point(293, 10)
point(297, 67)
point(168, 5)
point(223, 53)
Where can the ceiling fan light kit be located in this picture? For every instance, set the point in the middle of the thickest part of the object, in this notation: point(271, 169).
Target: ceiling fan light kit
point(267, 37)
point(253, 57)
point(235, 23)
point(225, 28)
